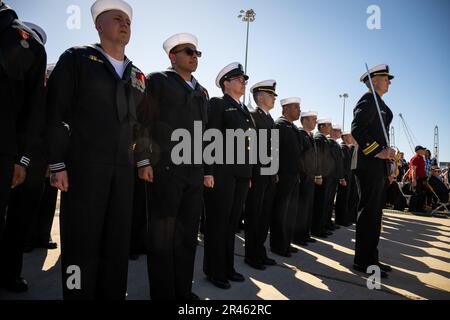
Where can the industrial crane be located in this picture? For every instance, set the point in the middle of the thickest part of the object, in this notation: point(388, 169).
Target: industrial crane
point(436, 144)
point(412, 141)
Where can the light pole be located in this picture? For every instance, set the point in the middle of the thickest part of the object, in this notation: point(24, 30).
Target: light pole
point(344, 96)
point(247, 16)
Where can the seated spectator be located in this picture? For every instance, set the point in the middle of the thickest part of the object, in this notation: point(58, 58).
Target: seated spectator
point(445, 174)
point(406, 183)
point(395, 197)
point(436, 182)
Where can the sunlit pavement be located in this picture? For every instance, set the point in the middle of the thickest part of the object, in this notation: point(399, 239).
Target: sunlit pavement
point(418, 249)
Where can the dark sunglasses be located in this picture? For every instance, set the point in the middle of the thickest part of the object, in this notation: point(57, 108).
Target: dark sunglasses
point(240, 79)
point(189, 52)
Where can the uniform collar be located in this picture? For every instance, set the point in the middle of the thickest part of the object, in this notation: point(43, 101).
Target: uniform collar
point(127, 62)
point(193, 80)
point(303, 129)
point(234, 101)
point(266, 113)
point(283, 118)
point(99, 48)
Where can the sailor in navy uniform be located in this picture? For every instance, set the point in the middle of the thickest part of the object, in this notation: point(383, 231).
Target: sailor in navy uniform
point(258, 207)
point(322, 191)
point(343, 210)
point(371, 167)
point(94, 93)
point(286, 198)
point(309, 177)
point(176, 101)
point(227, 184)
point(338, 174)
point(22, 118)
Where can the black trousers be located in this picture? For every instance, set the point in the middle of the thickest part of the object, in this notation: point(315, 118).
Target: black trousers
point(332, 191)
point(302, 229)
point(418, 199)
point(353, 199)
point(40, 226)
point(322, 202)
point(6, 172)
point(95, 224)
point(22, 207)
point(372, 190)
point(223, 208)
point(139, 225)
point(258, 210)
point(342, 208)
point(284, 213)
point(176, 205)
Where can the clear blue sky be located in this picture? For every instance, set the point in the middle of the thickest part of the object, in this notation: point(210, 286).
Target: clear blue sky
point(314, 49)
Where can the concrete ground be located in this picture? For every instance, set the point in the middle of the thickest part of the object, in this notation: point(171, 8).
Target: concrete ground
point(417, 247)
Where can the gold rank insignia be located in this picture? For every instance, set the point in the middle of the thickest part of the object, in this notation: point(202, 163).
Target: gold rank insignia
point(94, 58)
point(370, 148)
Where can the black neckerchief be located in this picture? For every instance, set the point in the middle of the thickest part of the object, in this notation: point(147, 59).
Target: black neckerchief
point(125, 103)
point(198, 93)
point(171, 71)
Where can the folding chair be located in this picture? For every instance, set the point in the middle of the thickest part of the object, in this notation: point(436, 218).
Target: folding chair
point(407, 197)
point(441, 206)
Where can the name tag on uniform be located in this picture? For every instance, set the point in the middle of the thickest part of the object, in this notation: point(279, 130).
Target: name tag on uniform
point(231, 109)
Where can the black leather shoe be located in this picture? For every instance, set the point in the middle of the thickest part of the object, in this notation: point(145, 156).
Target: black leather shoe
point(363, 269)
point(18, 285)
point(269, 262)
point(311, 240)
point(293, 249)
point(50, 245)
point(336, 227)
point(255, 264)
point(219, 283)
point(322, 235)
point(328, 233)
point(281, 253)
point(385, 267)
point(303, 243)
point(236, 277)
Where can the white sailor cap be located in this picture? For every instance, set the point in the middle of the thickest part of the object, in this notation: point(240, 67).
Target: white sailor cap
point(308, 114)
point(346, 133)
point(291, 100)
point(336, 127)
point(379, 70)
point(101, 6)
point(232, 70)
point(179, 38)
point(265, 86)
point(324, 121)
point(38, 30)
